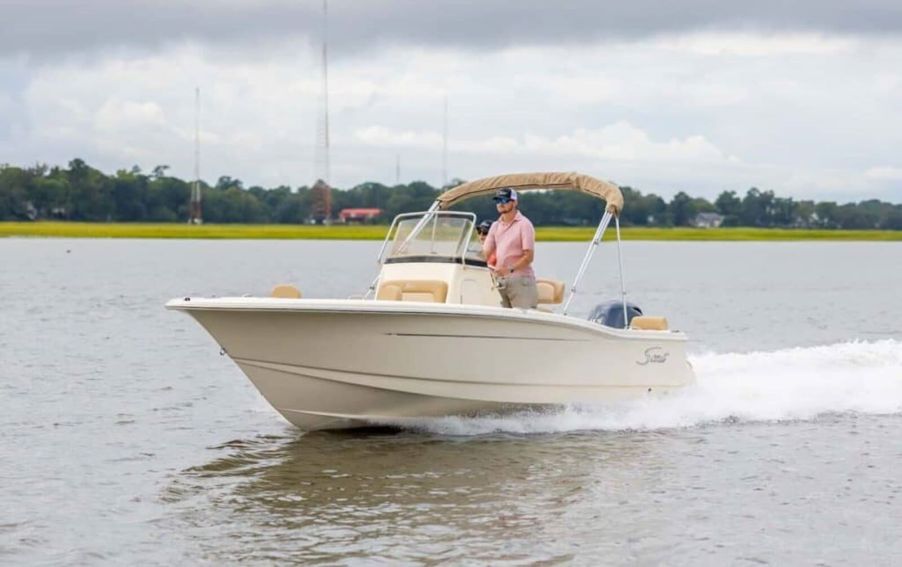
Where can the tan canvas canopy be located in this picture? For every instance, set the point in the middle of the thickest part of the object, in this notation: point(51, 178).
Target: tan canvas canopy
point(567, 181)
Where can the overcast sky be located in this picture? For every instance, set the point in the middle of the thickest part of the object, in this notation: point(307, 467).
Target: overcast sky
point(803, 98)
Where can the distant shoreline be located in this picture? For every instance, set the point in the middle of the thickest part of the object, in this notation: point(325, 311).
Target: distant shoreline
point(377, 232)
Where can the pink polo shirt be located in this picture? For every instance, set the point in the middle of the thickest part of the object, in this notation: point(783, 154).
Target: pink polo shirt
point(509, 240)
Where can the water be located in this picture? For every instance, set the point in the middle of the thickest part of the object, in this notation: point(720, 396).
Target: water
point(126, 439)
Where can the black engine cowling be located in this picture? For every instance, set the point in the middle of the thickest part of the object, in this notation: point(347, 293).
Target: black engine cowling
point(610, 314)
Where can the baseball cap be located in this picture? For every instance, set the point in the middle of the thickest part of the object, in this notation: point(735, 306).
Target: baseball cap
point(505, 195)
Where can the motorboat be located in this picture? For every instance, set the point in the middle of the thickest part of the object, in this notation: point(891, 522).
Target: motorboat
point(429, 337)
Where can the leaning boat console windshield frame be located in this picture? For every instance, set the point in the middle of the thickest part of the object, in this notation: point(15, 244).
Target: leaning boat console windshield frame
point(449, 241)
point(446, 244)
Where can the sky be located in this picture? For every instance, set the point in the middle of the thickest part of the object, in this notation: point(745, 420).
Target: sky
point(801, 97)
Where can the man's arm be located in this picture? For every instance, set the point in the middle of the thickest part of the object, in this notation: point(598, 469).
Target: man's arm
point(528, 242)
point(524, 261)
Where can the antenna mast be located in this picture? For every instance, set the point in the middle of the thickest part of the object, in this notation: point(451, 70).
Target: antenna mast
point(322, 192)
point(445, 145)
point(323, 165)
point(195, 211)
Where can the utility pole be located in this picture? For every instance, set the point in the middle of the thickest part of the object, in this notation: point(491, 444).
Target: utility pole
point(322, 191)
point(195, 207)
point(445, 144)
point(322, 163)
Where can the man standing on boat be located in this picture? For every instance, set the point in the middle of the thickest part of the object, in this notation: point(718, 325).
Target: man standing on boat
point(512, 239)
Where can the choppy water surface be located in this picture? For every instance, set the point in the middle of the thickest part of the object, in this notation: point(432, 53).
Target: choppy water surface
point(126, 439)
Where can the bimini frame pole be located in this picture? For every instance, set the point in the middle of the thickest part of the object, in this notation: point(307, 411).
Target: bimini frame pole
point(416, 229)
point(596, 240)
point(620, 264)
point(420, 225)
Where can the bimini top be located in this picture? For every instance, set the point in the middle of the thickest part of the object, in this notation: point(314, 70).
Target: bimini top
point(567, 181)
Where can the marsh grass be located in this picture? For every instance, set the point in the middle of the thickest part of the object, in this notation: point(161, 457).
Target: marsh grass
point(377, 232)
point(563, 234)
point(209, 231)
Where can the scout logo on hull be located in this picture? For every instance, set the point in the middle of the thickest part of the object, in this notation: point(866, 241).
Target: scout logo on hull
point(654, 355)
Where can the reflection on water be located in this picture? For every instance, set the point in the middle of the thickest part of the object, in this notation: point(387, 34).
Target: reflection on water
point(396, 495)
point(679, 496)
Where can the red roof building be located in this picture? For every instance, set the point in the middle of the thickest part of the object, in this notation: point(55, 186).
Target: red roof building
point(358, 215)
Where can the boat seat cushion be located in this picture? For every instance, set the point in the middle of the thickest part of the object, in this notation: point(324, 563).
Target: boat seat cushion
point(286, 291)
point(647, 323)
point(431, 291)
point(550, 291)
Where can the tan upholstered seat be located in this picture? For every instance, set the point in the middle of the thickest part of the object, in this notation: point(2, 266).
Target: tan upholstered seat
point(432, 291)
point(286, 291)
point(389, 292)
point(550, 291)
point(646, 323)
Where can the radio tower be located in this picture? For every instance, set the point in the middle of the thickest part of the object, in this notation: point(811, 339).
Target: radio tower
point(322, 191)
point(195, 210)
point(322, 165)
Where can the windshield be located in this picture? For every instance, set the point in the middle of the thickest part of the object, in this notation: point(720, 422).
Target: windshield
point(438, 234)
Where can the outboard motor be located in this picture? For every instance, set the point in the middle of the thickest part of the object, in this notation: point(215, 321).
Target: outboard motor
point(610, 314)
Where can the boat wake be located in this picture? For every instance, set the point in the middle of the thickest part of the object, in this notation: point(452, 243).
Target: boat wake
point(790, 384)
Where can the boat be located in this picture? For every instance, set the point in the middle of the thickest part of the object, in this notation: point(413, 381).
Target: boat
point(429, 337)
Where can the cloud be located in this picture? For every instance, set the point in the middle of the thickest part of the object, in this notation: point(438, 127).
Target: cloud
point(140, 110)
point(386, 137)
point(616, 142)
point(884, 173)
point(624, 142)
point(807, 117)
point(747, 44)
point(45, 27)
point(117, 115)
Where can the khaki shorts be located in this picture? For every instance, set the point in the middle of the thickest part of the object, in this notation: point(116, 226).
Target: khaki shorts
point(518, 291)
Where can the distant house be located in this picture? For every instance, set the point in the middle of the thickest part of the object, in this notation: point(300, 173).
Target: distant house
point(59, 213)
point(358, 215)
point(707, 220)
point(31, 212)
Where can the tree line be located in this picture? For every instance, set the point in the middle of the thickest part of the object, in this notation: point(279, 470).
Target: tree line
point(80, 192)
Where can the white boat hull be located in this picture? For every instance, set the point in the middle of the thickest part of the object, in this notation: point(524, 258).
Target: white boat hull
point(343, 363)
